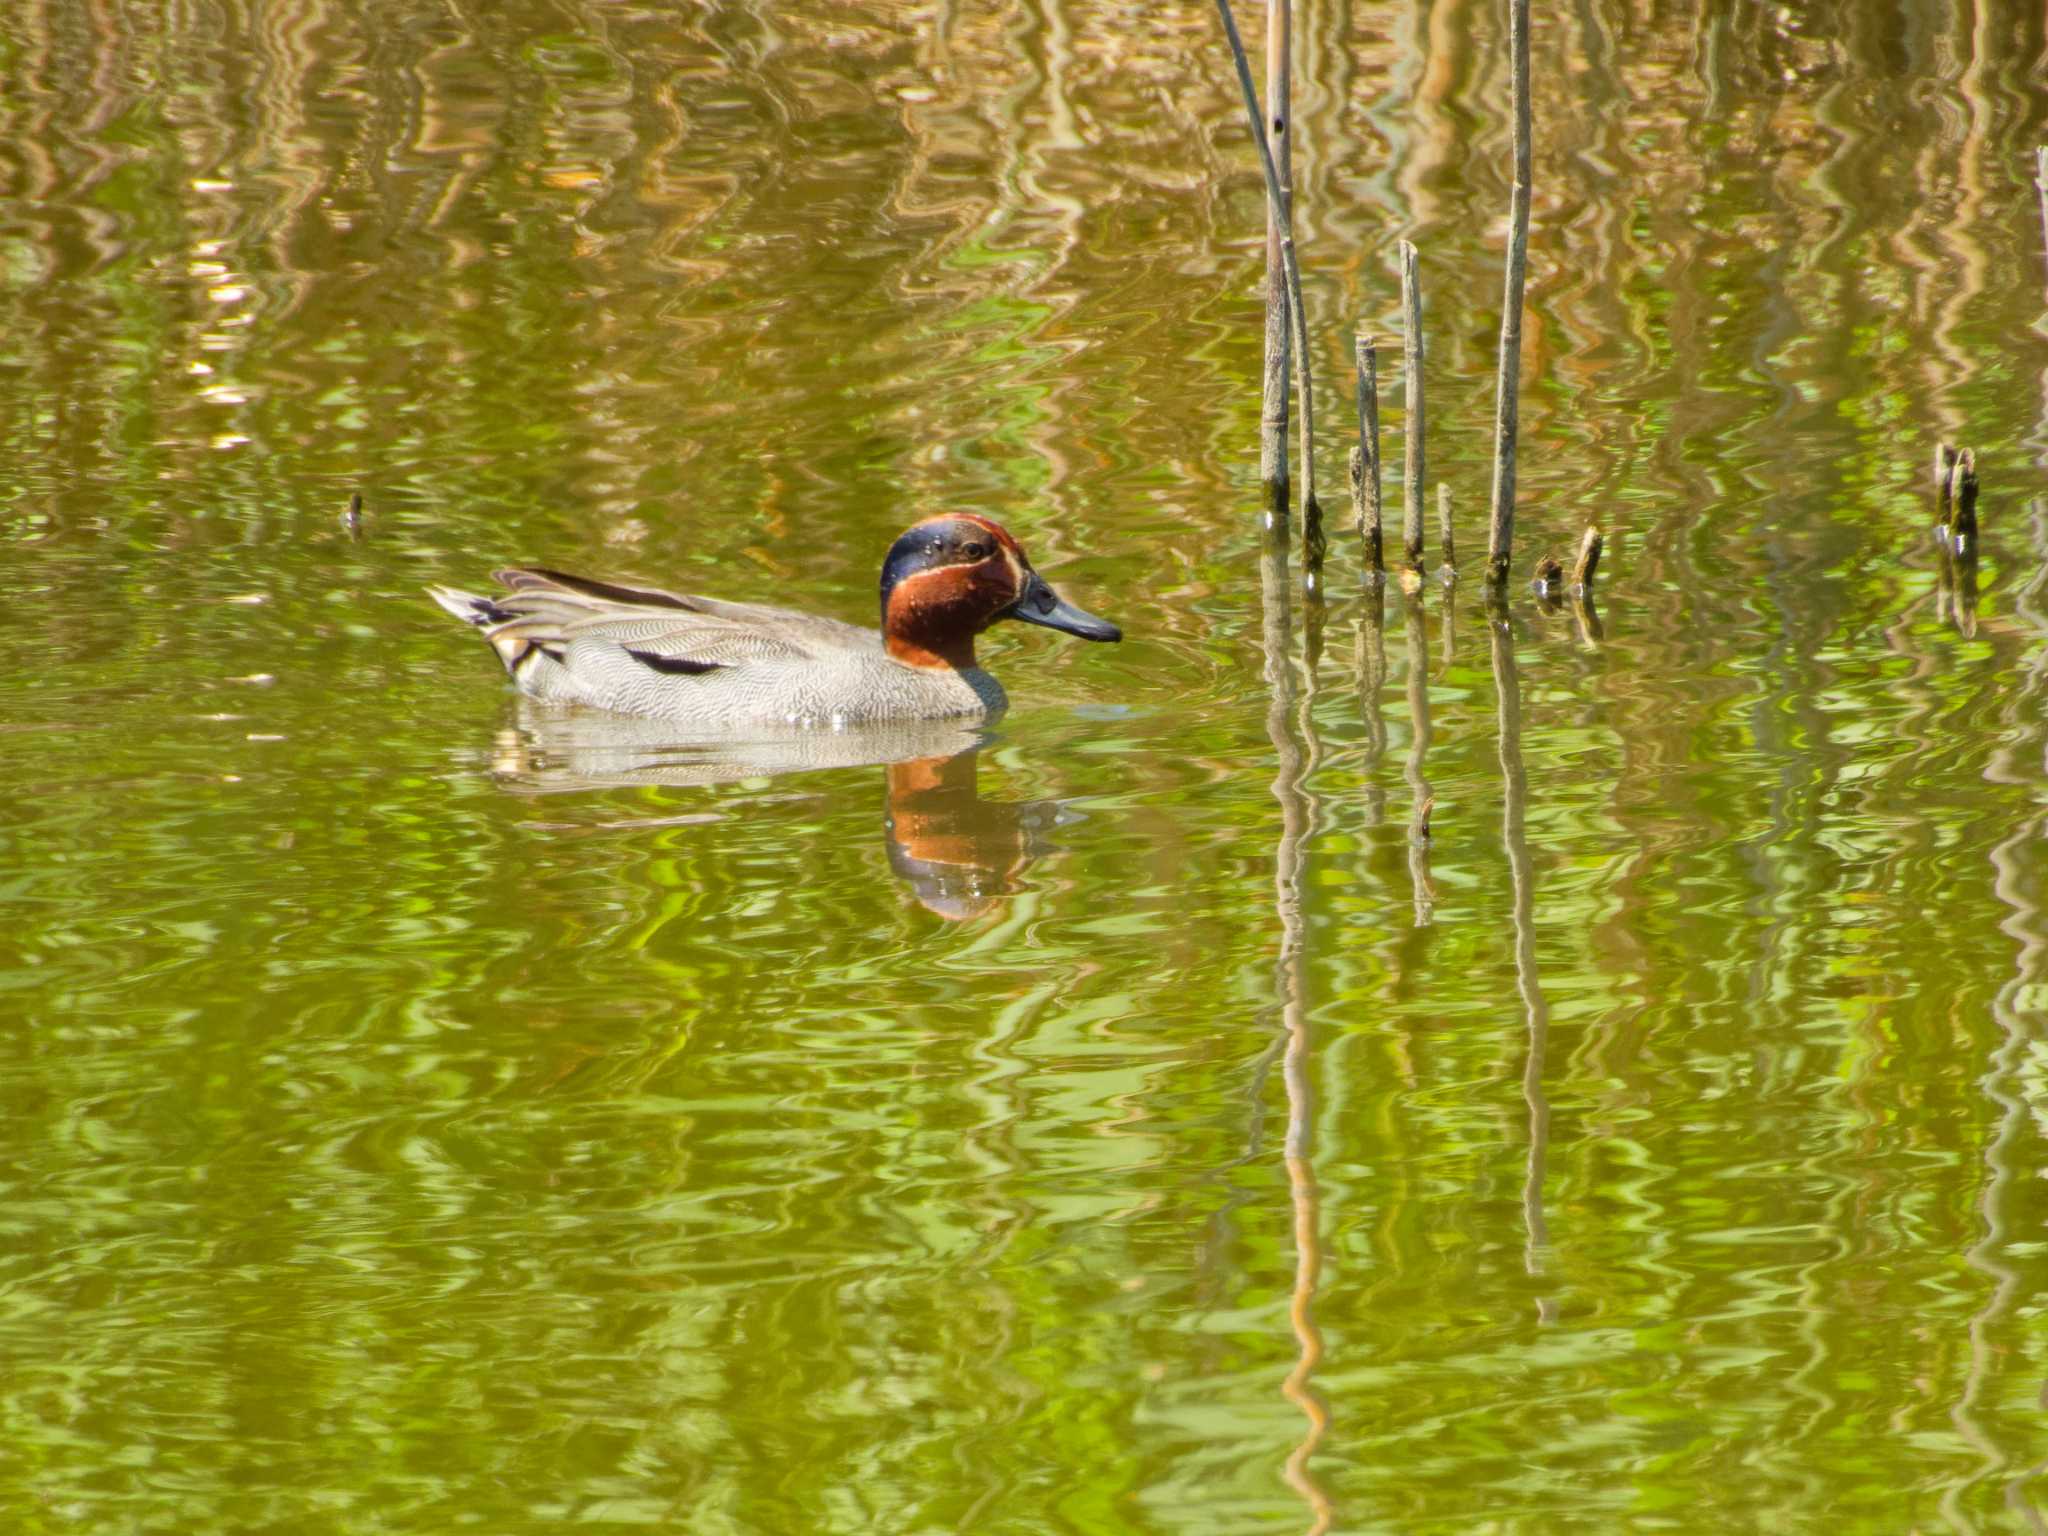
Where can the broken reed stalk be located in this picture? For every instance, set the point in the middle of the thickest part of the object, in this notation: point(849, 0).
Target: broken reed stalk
point(1411, 366)
point(1277, 197)
point(1443, 531)
point(1366, 457)
point(1587, 563)
point(1356, 468)
point(1273, 413)
point(1507, 406)
point(1963, 525)
point(1955, 494)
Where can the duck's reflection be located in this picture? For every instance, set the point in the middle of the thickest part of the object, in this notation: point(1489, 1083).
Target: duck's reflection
point(959, 854)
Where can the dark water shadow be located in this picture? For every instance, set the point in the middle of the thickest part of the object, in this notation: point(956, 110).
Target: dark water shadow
point(960, 854)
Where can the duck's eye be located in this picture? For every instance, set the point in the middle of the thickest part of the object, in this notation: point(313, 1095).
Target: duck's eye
point(976, 551)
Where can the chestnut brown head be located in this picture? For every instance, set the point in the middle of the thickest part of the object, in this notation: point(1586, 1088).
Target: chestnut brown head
point(950, 577)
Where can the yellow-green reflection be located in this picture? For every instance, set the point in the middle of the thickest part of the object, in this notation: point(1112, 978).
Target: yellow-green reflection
point(416, 1118)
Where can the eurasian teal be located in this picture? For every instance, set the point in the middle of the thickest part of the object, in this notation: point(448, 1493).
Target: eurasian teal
point(723, 666)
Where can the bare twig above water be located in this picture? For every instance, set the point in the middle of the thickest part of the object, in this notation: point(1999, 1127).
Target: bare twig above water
point(1507, 406)
point(1279, 123)
point(1944, 480)
point(1365, 473)
point(1588, 562)
point(1963, 524)
point(1278, 198)
point(1411, 370)
point(1449, 569)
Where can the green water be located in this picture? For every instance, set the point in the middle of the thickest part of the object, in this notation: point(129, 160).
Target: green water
point(424, 1113)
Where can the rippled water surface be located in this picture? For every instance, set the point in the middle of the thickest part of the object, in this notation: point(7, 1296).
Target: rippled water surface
point(423, 1111)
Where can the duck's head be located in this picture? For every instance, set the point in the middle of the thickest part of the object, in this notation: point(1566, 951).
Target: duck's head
point(948, 578)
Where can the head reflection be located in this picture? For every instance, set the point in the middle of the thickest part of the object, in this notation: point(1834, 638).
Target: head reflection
point(960, 855)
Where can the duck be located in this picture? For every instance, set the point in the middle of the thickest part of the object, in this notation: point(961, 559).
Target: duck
point(724, 666)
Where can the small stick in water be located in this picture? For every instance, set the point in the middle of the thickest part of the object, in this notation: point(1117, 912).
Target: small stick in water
point(1944, 478)
point(1370, 533)
point(1365, 473)
point(1277, 197)
point(1507, 406)
point(1449, 570)
point(1411, 359)
point(1550, 579)
point(1280, 118)
point(1588, 561)
point(1963, 528)
point(352, 519)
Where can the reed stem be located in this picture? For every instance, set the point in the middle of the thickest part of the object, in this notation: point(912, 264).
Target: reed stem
point(1273, 474)
point(1411, 364)
point(1500, 540)
point(1277, 197)
point(1944, 482)
point(1366, 481)
point(1588, 561)
point(1963, 527)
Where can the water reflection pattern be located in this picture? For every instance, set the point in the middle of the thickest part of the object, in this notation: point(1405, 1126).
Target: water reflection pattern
point(389, 1147)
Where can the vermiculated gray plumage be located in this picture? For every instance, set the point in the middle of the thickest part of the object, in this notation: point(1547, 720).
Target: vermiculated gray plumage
point(699, 661)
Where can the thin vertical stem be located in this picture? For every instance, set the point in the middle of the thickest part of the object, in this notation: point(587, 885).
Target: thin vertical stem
point(1273, 417)
point(1444, 536)
point(1963, 525)
point(1588, 561)
point(1366, 485)
point(1277, 197)
point(1507, 408)
point(1411, 359)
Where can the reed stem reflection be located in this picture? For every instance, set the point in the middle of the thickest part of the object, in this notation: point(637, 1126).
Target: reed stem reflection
point(1507, 686)
point(1418, 751)
point(1290, 725)
point(1371, 661)
point(1955, 587)
point(2002, 1083)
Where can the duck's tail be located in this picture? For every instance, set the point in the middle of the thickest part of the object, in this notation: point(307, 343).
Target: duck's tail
point(468, 607)
point(523, 641)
